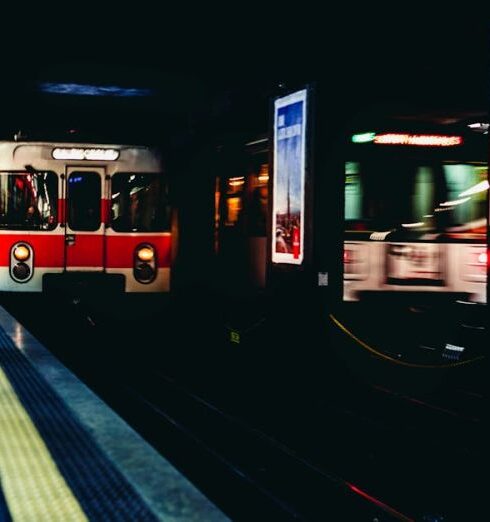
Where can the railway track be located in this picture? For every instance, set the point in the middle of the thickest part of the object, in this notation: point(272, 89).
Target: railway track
point(321, 460)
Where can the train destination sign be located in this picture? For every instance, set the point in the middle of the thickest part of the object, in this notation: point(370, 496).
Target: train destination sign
point(76, 153)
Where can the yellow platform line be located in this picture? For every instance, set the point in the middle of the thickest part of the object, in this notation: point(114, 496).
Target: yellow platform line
point(381, 355)
point(33, 486)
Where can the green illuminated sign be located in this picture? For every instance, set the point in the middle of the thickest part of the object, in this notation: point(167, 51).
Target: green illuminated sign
point(364, 137)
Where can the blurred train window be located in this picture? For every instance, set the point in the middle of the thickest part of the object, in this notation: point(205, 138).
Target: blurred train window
point(234, 200)
point(139, 203)
point(28, 201)
point(83, 194)
point(467, 189)
point(258, 203)
point(384, 194)
point(353, 191)
point(380, 195)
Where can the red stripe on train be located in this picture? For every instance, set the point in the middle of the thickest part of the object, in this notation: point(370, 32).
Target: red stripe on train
point(86, 251)
point(49, 249)
point(120, 249)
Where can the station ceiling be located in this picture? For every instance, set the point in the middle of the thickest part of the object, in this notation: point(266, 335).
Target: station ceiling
point(195, 76)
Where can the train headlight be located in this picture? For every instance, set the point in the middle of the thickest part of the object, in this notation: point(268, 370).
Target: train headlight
point(21, 262)
point(145, 254)
point(145, 263)
point(21, 253)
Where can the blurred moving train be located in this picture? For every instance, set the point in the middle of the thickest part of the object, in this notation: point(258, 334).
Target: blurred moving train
point(72, 212)
point(415, 212)
point(416, 207)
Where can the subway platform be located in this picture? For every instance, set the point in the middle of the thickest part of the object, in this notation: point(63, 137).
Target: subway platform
point(66, 456)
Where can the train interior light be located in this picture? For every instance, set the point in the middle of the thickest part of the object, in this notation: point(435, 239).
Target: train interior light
point(237, 181)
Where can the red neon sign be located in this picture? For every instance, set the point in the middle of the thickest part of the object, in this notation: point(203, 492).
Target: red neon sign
point(422, 140)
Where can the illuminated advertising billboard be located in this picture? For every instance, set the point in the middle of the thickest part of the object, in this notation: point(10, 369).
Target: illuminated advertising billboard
point(288, 199)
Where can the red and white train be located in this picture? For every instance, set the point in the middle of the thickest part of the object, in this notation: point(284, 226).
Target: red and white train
point(92, 212)
point(416, 207)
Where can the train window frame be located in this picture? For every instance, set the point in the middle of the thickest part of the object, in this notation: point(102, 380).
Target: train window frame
point(97, 208)
point(166, 209)
point(52, 221)
point(356, 169)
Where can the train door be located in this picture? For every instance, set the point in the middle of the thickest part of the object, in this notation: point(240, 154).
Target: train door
point(85, 213)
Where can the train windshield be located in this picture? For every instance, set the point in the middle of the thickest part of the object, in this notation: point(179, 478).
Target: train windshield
point(415, 195)
point(139, 203)
point(28, 201)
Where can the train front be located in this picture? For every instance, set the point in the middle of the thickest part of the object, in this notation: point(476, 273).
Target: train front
point(83, 216)
point(416, 204)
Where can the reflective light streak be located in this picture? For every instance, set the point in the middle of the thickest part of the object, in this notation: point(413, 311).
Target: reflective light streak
point(479, 127)
point(380, 236)
point(454, 348)
point(380, 504)
point(423, 140)
point(256, 142)
point(413, 225)
point(454, 203)
point(479, 187)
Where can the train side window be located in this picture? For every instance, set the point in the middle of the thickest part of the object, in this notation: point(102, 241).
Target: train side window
point(234, 200)
point(84, 193)
point(467, 186)
point(28, 201)
point(258, 201)
point(140, 203)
